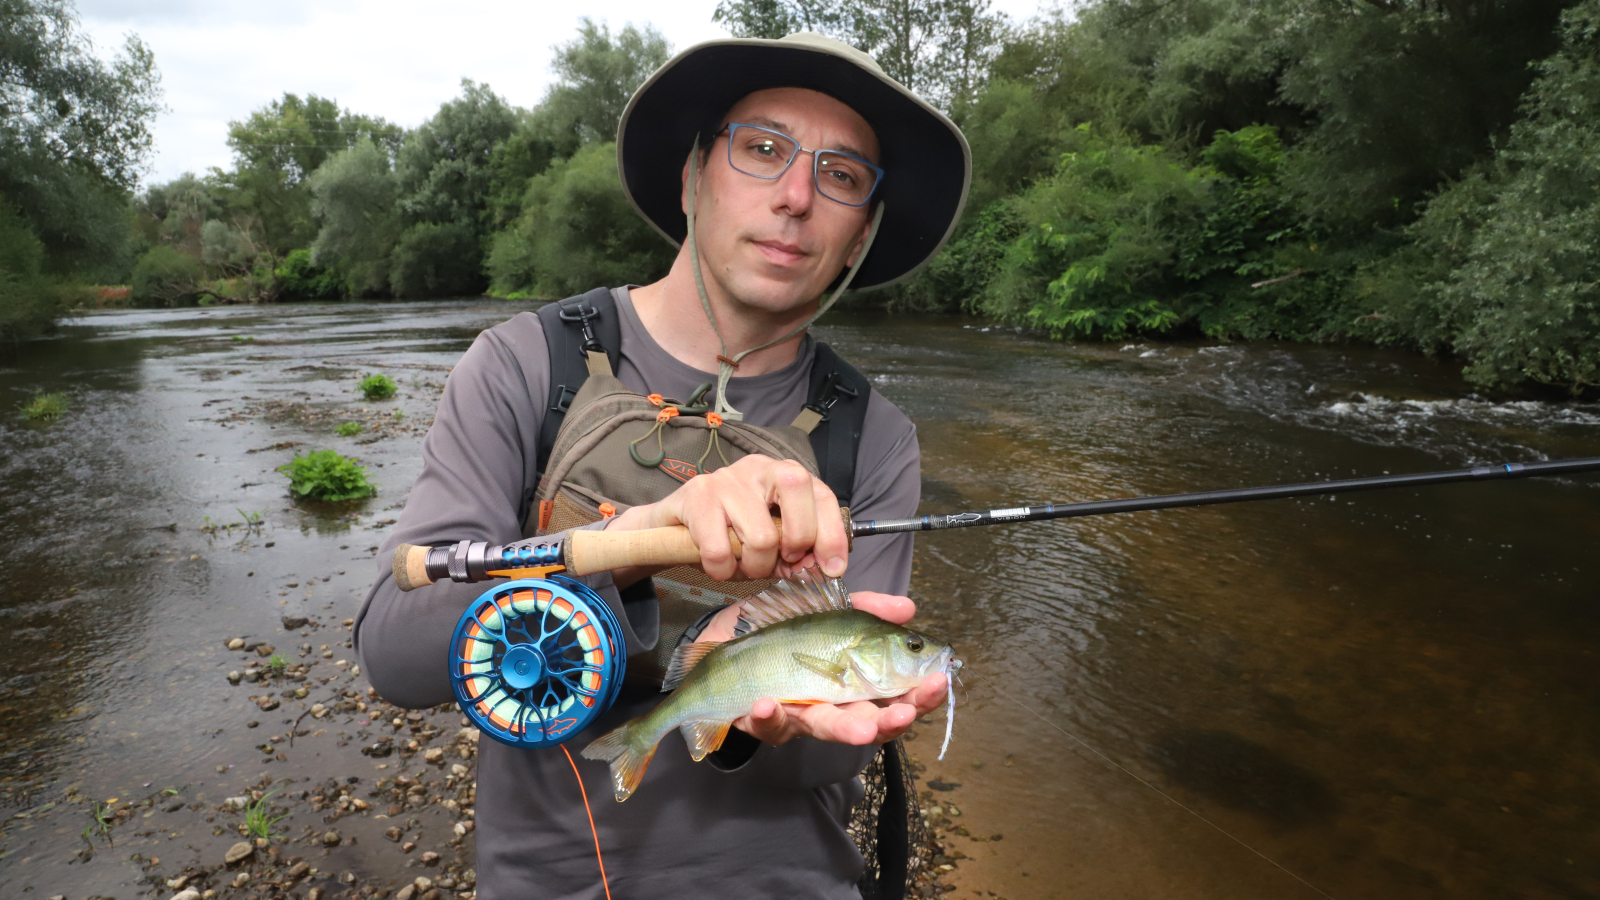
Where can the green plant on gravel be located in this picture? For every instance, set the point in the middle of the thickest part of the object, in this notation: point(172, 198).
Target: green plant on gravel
point(377, 387)
point(258, 819)
point(325, 475)
point(278, 664)
point(101, 813)
point(45, 407)
point(348, 429)
point(243, 338)
point(251, 519)
point(398, 415)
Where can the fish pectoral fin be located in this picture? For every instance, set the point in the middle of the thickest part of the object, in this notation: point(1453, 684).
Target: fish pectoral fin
point(704, 738)
point(829, 670)
point(684, 659)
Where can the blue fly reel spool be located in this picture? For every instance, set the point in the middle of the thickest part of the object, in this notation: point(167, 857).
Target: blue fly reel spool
point(535, 661)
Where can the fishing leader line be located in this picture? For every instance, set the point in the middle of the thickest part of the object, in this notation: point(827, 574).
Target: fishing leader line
point(1169, 798)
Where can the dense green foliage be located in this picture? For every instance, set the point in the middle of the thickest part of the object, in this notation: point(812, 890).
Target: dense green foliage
point(1295, 169)
point(325, 475)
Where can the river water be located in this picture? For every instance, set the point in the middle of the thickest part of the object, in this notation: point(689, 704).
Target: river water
point(1374, 695)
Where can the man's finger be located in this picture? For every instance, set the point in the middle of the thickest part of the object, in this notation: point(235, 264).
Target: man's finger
point(798, 509)
point(708, 528)
point(840, 724)
point(752, 521)
point(887, 607)
point(832, 544)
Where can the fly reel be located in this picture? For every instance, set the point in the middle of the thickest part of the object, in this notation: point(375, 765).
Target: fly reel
point(535, 661)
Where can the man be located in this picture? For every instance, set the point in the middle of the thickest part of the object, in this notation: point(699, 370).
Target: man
point(779, 165)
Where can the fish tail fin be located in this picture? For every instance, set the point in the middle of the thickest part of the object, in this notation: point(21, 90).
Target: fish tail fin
point(621, 748)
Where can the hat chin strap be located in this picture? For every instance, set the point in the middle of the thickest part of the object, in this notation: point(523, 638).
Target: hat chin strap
point(725, 365)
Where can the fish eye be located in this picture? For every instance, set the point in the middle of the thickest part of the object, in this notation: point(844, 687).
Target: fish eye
point(914, 644)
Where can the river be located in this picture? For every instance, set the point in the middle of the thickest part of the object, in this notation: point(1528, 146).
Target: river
point(1374, 695)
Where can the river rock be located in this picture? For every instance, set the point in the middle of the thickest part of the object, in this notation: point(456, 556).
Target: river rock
point(406, 893)
point(267, 704)
point(392, 834)
point(434, 755)
point(291, 623)
point(430, 858)
point(190, 894)
point(300, 693)
point(236, 644)
point(330, 838)
point(298, 869)
point(314, 894)
point(235, 677)
point(239, 852)
point(423, 883)
point(264, 650)
point(241, 879)
point(318, 710)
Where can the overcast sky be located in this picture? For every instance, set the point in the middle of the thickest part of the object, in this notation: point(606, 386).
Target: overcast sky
point(399, 59)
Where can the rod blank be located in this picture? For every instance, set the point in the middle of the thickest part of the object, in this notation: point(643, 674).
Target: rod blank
point(1208, 498)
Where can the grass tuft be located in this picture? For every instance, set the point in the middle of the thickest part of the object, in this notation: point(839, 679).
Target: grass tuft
point(377, 387)
point(258, 819)
point(45, 407)
point(348, 429)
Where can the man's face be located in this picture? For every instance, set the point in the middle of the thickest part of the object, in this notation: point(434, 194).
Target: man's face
point(777, 244)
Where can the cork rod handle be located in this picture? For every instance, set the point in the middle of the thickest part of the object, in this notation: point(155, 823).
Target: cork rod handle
point(602, 551)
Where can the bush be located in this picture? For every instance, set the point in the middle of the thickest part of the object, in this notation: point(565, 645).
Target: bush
point(377, 387)
point(325, 475)
point(347, 429)
point(45, 407)
point(577, 231)
point(301, 279)
point(166, 276)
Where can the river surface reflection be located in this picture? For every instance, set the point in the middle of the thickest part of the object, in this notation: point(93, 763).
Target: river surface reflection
point(1373, 695)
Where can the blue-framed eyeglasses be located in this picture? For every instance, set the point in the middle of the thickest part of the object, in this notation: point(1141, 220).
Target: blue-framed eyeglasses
point(764, 153)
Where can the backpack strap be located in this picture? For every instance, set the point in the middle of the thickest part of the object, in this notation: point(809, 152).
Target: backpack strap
point(835, 410)
point(583, 336)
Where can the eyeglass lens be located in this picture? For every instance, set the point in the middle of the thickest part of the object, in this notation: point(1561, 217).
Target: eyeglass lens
point(766, 154)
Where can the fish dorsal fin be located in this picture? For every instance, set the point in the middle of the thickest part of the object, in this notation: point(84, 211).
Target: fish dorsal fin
point(684, 659)
point(798, 595)
point(704, 738)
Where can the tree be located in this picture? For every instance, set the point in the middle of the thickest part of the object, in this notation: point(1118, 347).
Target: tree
point(354, 200)
point(444, 176)
point(278, 147)
point(596, 75)
point(74, 134)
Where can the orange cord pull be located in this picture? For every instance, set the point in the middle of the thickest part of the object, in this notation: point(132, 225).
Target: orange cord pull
point(666, 414)
point(655, 399)
point(714, 420)
point(598, 858)
point(607, 510)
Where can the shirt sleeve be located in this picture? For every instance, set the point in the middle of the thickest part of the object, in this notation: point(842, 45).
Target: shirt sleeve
point(479, 472)
point(888, 485)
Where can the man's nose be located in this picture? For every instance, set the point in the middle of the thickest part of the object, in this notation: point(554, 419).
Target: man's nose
point(796, 187)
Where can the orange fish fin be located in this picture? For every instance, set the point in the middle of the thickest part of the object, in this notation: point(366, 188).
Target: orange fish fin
point(704, 737)
point(627, 761)
point(802, 702)
point(684, 659)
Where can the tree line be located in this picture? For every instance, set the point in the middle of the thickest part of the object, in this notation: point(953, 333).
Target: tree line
point(1415, 173)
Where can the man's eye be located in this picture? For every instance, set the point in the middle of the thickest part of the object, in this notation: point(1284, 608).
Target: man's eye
point(765, 149)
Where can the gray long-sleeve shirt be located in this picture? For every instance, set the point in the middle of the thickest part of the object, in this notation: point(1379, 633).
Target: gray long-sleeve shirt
point(772, 826)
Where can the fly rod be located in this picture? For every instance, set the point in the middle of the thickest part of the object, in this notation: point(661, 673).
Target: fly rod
point(587, 552)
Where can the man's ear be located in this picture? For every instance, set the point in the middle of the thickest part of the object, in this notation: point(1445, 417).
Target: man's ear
point(866, 228)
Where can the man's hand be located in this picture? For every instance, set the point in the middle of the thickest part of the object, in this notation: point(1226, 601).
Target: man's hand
point(742, 496)
point(861, 722)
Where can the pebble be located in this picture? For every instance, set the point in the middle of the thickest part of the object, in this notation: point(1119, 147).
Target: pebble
point(178, 883)
point(457, 769)
point(330, 838)
point(190, 894)
point(423, 883)
point(406, 893)
point(264, 650)
point(236, 644)
point(434, 755)
point(318, 710)
point(430, 858)
point(290, 623)
point(234, 802)
point(298, 869)
point(267, 704)
point(235, 677)
point(359, 803)
point(300, 693)
point(241, 879)
point(314, 894)
point(241, 851)
point(407, 847)
point(392, 833)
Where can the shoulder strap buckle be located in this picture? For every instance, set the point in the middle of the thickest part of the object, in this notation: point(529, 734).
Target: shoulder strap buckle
point(833, 388)
point(583, 314)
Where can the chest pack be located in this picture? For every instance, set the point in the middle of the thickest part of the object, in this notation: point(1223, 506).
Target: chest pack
point(604, 448)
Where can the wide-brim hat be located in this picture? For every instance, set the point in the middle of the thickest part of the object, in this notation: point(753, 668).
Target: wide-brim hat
point(927, 164)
